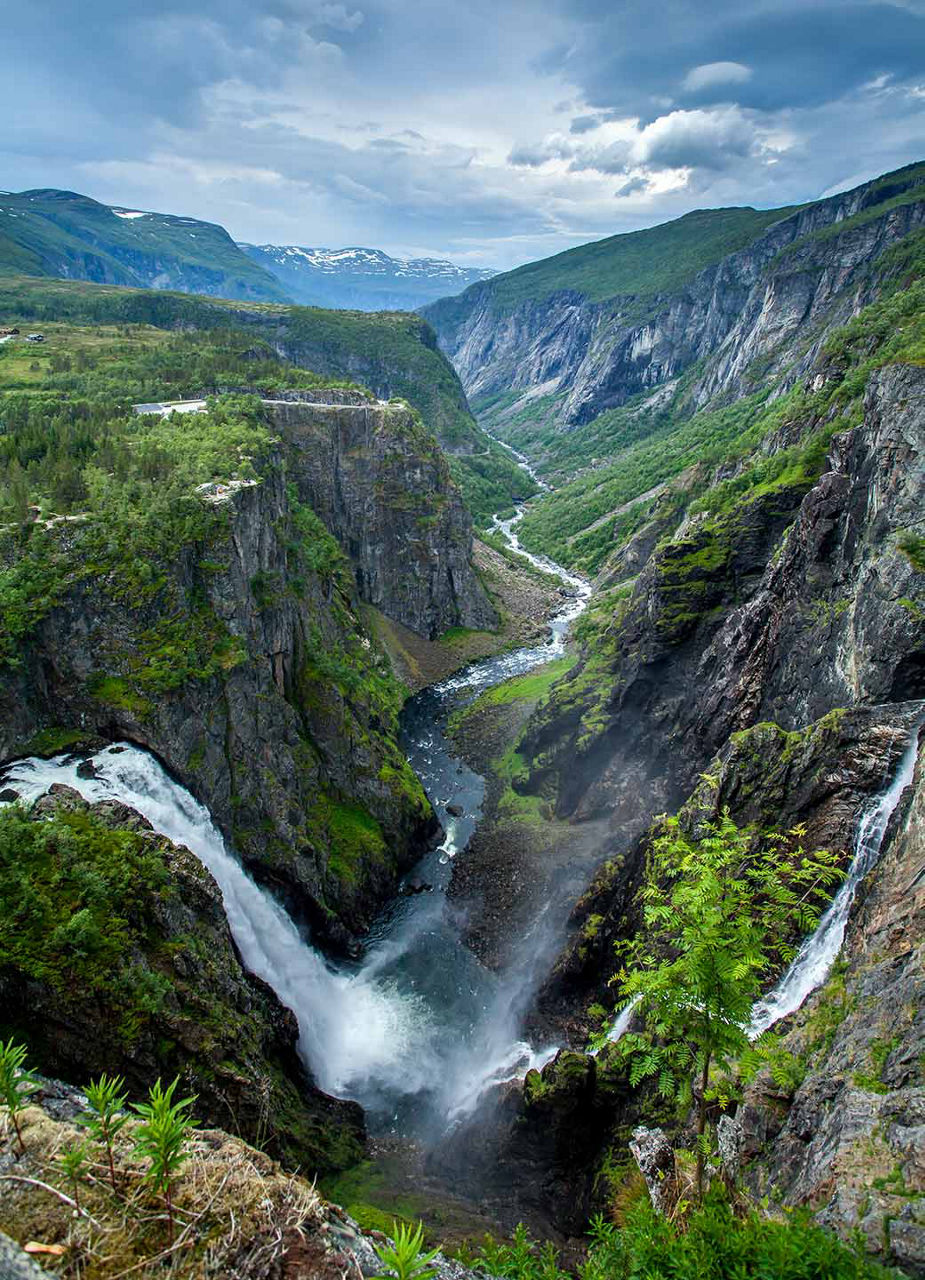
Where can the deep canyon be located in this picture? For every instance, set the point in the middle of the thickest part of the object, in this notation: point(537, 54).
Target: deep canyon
point(386, 742)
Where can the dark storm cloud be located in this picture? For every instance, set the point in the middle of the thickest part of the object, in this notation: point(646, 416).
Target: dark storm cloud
point(635, 56)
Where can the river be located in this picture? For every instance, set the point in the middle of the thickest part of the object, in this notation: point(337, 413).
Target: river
point(417, 1028)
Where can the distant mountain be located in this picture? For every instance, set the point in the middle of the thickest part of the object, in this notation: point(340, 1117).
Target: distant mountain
point(362, 279)
point(60, 233)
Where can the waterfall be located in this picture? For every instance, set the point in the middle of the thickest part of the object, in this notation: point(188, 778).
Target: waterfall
point(813, 962)
point(350, 1026)
point(419, 1029)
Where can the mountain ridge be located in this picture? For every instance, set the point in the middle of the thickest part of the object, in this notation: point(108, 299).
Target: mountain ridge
point(50, 232)
point(362, 278)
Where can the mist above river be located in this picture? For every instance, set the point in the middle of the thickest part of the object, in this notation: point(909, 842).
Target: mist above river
point(418, 1028)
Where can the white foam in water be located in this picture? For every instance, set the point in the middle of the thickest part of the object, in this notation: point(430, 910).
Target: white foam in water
point(351, 1026)
point(623, 1020)
point(813, 962)
point(420, 1022)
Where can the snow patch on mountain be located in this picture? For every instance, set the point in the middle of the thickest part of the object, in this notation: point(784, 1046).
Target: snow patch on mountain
point(363, 261)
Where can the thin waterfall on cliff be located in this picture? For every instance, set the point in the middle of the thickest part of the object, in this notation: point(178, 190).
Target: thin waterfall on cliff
point(813, 962)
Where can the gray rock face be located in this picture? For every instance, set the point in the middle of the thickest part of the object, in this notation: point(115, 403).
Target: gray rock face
point(760, 622)
point(848, 1140)
point(261, 743)
point(786, 661)
point(382, 487)
point(655, 1156)
point(16, 1265)
point(767, 303)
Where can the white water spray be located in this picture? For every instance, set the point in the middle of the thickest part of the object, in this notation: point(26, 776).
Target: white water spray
point(350, 1026)
point(813, 962)
point(420, 1029)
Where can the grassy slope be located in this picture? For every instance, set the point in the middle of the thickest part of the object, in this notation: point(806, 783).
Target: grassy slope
point(605, 468)
point(392, 352)
point(54, 233)
point(640, 264)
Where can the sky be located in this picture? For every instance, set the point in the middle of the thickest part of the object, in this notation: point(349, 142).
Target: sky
point(491, 132)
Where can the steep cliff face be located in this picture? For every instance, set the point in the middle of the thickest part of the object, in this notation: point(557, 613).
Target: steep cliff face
point(768, 657)
point(844, 1137)
point(122, 962)
point(380, 484)
point(792, 604)
point(755, 312)
point(243, 664)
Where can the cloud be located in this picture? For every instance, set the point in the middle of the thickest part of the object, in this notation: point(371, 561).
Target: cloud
point(697, 139)
point(711, 74)
point(498, 132)
point(531, 156)
point(631, 188)
point(584, 124)
point(339, 18)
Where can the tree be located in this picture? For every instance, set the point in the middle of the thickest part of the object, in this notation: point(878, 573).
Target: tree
point(719, 915)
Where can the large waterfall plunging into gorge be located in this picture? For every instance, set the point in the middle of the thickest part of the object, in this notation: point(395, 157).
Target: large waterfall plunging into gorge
point(419, 1028)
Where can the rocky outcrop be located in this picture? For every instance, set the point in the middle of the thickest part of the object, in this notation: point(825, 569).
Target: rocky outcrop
point(530, 1153)
point(242, 1215)
point(759, 311)
point(243, 664)
point(382, 487)
point(165, 993)
point(776, 648)
point(844, 1134)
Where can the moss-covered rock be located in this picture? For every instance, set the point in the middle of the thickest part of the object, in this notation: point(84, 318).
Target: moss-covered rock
point(115, 956)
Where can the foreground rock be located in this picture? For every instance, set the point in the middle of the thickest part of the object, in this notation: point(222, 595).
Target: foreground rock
point(238, 1212)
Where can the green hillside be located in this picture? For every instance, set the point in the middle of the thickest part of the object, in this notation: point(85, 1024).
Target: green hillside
point(585, 520)
point(640, 264)
point(63, 234)
point(392, 353)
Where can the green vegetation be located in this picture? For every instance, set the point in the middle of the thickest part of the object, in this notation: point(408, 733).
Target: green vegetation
point(490, 482)
point(353, 837)
point(582, 522)
point(406, 1259)
point(70, 888)
point(717, 912)
point(878, 1053)
point(527, 688)
point(132, 485)
point(719, 1241)
point(17, 1084)
point(912, 545)
point(635, 267)
point(106, 1117)
point(127, 340)
point(59, 233)
point(162, 1138)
